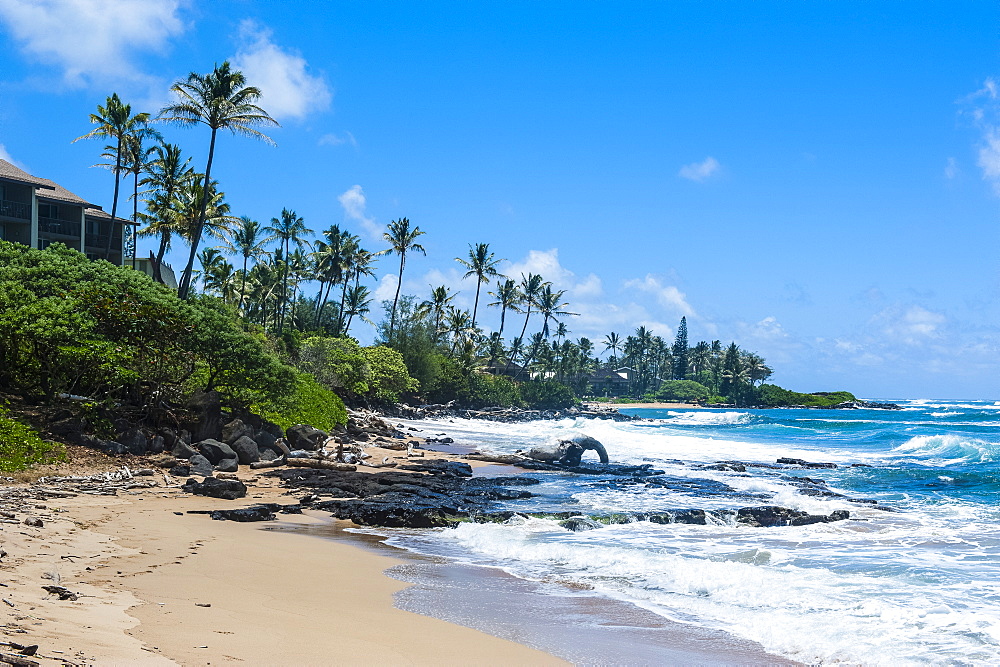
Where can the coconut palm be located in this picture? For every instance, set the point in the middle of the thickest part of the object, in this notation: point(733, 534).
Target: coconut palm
point(358, 303)
point(220, 100)
point(458, 323)
point(481, 264)
point(506, 297)
point(288, 230)
point(440, 299)
point(550, 308)
point(613, 342)
point(531, 286)
point(247, 241)
point(114, 121)
point(403, 240)
point(167, 173)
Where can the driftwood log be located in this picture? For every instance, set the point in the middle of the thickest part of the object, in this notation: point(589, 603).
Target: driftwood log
point(322, 464)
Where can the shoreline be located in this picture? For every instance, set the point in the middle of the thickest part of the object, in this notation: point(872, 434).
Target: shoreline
point(161, 586)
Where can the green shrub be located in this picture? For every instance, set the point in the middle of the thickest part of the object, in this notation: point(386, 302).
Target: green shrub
point(310, 403)
point(547, 395)
point(686, 391)
point(492, 391)
point(771, 395)
point(21, 447)
point(337, 363)
point(388, 376)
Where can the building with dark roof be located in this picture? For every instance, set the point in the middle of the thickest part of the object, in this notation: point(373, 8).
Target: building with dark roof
point(37, 212)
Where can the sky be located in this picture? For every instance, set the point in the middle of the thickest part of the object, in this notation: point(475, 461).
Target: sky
point(818, 182)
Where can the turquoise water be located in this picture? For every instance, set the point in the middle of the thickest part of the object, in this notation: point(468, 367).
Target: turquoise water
point(918, 585)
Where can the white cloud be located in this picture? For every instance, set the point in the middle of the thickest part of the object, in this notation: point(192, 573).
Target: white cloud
point(4, 155)
point(700, 172)
point(288, 89)
point(668, 296)
point(332, 139)
point(93, 42)
point(355, 205)
point(913, 325)
point(386, 288)
point(951, 169)
point(546, 264)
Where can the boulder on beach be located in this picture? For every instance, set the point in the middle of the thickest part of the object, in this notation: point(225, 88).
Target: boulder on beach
point(235, 430)
point(227, 489)
point(215, 451)
point(246, 450)
point(303, 436)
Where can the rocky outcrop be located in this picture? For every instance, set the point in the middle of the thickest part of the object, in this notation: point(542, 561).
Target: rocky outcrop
point(227, 489)
point(215, 451)
point(772, 515)
point(302, 436)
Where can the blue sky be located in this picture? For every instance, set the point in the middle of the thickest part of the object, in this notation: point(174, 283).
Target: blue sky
point(817, 181)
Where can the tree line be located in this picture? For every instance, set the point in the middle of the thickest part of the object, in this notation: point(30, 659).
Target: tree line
point(288, 282)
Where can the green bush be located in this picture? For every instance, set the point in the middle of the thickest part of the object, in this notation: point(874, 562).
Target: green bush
point(388, 376)
point(70, 325)
point(21, 447)
point(547, 395)
point(492, 391)
point(771, 395)
point(686, 391)
point(310, 403)
point(337, 363)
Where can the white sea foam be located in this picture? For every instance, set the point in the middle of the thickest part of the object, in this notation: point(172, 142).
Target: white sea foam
point(943, 450)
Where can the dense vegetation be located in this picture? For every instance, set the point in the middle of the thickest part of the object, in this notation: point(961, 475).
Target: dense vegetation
point(270, 330)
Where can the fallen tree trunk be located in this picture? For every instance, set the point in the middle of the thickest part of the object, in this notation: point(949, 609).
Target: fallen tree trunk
point(322, 464)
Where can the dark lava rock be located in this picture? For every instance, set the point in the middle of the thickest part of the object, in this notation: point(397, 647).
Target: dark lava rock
point(403, 499)
point(246, 450)
point(207, 408)
point(215, 451)
point(200, 466)
point(772, 515)
point(155, 445)
point(245, 514)
point(227, 489)
point(266, 440)
point(134, 440)
point(181, 470)
point(580, 523)
point(441, 467)
point(688, 516)
point(305, 437)
point(235, 430)
point(268, 455)
point(183, 450)
point(227, 465)
point(805, 464)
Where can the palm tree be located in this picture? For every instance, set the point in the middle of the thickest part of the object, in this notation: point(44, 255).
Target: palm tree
point(287, 230)
point(459, 324)
point(216, 221)
point(167, 174)
point(114, 121)
point(220, 100)
point(550, 308)
point(357, 303)
point(531, 287)
point(483, 266)
point(136, 162)
point(612, 342)
point(403, 240)
point(441, 297)
point(506, 297)
point(247, 241)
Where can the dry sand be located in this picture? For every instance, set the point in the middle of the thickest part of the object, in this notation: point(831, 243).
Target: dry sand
point(160, 588)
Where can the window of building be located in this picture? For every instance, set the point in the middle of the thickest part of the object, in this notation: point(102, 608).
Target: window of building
point(48, 211)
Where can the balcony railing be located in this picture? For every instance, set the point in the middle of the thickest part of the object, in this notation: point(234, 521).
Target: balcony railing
point(101, 241)
point(15, 209)
point(64, 227)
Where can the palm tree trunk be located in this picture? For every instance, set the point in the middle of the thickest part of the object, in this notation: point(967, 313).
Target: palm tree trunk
point(475, 306)
point(186, 280)
point(114, 202)
point(399, 284)
point(135, 215)
point(243, 285)
point(340, 313)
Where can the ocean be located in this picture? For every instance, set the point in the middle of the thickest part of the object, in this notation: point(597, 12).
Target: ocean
point(913, 579)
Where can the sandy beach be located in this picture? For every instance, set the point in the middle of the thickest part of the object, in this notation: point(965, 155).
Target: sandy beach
point(158, 582)
point(157, 585)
